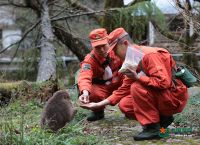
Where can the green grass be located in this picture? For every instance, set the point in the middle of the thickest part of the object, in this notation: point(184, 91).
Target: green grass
point(190, 116)
point(19, 125)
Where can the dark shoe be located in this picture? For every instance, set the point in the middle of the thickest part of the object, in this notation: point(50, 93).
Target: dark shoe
point(149, 132)
point(165, 121)
point(95, 116)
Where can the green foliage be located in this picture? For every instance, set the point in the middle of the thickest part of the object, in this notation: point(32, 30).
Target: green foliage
point(135, 18)
point(29, 65)
point(190, 115)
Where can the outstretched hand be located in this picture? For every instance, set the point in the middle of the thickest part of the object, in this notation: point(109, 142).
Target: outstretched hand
point(91, 106)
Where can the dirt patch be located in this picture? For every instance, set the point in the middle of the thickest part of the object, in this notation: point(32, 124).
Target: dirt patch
point(115, 129)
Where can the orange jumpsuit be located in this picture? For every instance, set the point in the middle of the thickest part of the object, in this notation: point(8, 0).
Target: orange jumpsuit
point(154, 94)
point(91, 76)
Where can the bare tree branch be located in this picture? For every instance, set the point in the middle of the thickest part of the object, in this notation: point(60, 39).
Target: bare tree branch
point(23, 37)
point(85, 13)
point(9, 2)
point(194, 37)
point(177, 39)
point(188, 5)
point(28, 31)
point(166, 33)
point(178, 3)
point(80, 6)
point(72, 42)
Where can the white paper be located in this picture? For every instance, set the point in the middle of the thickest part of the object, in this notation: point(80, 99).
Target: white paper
point(132, 59)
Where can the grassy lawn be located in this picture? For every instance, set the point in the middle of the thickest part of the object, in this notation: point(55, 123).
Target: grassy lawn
point(19, 125)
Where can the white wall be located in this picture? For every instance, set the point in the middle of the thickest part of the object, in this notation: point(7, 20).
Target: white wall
point(126, 2)
point(151, 34)
point(10, 36)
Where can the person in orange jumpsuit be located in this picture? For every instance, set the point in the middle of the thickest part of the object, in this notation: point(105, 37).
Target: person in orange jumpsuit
point(155, 94)
point(98, 76)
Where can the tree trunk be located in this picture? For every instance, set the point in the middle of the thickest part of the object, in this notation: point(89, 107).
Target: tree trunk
point(47, 64)
point(79, 48)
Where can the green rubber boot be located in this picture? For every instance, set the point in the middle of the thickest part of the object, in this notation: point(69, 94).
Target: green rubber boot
point(96, 116)
point(149, 132)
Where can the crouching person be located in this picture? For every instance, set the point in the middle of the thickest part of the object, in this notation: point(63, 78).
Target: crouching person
point(98, 76)
point(155, 95)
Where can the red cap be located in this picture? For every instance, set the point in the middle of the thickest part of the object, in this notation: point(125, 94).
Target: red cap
point(115, 36)
point(98, 37)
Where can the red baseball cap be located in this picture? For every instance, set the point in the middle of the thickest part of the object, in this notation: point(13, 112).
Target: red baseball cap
point(98, 37)
point(115, 36)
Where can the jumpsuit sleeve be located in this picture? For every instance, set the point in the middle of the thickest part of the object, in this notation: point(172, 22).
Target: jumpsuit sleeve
point(121, 92)
point(157, 72)
point(85, 76)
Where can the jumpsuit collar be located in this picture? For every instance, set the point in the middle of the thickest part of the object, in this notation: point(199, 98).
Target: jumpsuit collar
point(99, 58)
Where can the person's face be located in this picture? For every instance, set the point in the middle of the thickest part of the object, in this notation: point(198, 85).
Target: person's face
point(120, 51)
point(102, 50)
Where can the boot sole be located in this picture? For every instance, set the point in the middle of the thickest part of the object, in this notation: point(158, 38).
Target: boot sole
point(152, 138)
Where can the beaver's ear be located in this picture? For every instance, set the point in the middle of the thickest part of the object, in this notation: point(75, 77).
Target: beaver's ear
point(66, 95)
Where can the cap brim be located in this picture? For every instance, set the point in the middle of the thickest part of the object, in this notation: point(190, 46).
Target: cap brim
point(99, 42)
point(112, 47)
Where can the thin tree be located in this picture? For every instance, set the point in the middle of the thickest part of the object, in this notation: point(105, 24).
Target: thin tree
point(47, 64)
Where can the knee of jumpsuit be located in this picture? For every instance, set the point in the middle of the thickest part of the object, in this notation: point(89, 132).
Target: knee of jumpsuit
point(145, 108)
point(98, 93)
point(96, 96)
point(126, 106)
